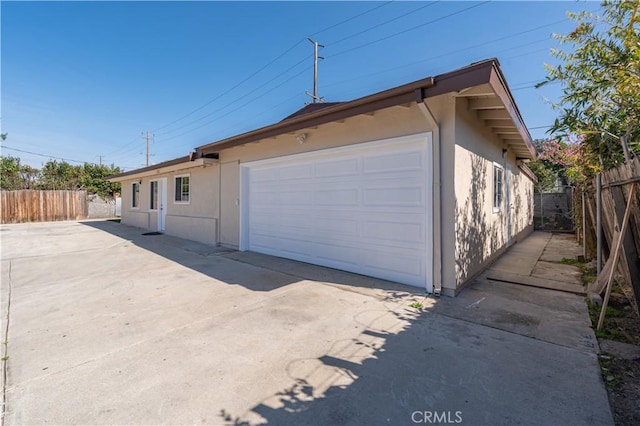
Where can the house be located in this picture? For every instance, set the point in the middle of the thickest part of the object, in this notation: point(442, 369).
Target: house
point(423, 184)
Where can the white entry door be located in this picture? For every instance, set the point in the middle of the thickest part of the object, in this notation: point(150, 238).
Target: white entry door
point(159, 201)
point(508, 177)
point(364, 208)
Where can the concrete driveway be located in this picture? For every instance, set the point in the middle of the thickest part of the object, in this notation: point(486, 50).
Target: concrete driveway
point(107, 326)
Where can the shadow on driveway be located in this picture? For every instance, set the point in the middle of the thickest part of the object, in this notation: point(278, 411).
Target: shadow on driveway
point(262, 272)
point(483, 358)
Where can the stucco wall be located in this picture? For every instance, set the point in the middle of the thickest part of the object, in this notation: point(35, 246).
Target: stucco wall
point(387, 123)
point(480, 232)
point(442, 107)
point(196, 220)
point(472, 234)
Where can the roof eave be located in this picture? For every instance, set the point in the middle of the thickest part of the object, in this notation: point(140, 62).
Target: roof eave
point(499, 86)
point(177, 164)
point(417, 91)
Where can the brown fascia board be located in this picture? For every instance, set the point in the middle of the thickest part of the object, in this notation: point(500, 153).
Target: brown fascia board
point(155, 166)
point(417, 91)
point(527, 171)
point(499, 85)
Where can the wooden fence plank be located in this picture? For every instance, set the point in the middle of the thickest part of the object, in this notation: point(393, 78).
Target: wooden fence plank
point(42, 206)
point(616, 188)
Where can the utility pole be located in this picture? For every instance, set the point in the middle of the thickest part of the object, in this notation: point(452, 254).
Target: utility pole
point(100, 157)
point(149, 136)
point(314, 96)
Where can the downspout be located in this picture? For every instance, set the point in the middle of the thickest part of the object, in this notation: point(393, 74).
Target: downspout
point(436, 205)
point(218, 238)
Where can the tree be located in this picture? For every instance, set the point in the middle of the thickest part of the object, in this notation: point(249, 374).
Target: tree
point(93, 179)
point(10, 173)
point(60, 175)
point(600, 78)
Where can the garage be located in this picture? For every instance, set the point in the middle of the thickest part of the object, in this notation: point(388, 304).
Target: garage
point(363, 208)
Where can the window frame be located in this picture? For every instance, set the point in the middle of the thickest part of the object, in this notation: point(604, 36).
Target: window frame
point(498, 207)
point(154, 184)
point(175, 188)
point(135, 200)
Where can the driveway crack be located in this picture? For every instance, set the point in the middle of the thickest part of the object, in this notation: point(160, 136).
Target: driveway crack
point(5, 357)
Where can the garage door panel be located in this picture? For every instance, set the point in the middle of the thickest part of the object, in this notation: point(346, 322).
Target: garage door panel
point(265, 199)
point(337, 168)
point(295, 198)
point(346, 256)
point(264, 175)
point(395, 231)
point(396, 163)
point(364, 211)
point(283, 244)
point(296, 172)
point(395, 264)
point(337, 225)
point(337, 197)
point(394, 196)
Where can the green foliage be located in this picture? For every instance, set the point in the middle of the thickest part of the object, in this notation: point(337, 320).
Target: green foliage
point(58, 175)
point(93, 179)
point(546, 176)
point(600, 77)
point(10, 173)
point(545, 170)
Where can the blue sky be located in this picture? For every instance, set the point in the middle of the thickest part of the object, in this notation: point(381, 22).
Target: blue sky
point(84, 79)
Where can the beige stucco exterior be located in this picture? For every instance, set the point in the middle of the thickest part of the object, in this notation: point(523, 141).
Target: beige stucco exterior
point(482, 232)
point(196, 220)
point(471, 234)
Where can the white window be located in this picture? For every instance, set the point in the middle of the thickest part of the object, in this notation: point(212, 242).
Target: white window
point(135, 195)
point(498, 173)
point(182, 189)
point(153, 202)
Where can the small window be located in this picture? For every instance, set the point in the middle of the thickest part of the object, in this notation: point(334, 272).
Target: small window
point(182, 189)
point(153, 204)
point(135, 195)
point(497, 187)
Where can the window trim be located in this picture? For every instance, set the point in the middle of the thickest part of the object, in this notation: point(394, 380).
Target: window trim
point(133, 192)
point(498, 208)
point(175, 177)
point(153, 183)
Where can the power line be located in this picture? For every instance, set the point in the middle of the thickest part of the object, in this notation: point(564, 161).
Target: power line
point(235, 100)
point(230, 89)
point(295, 65)
point(255, 98)
point(46, 156)
point(431, 58)
point(351, 19)
point(122, 147)
point(409, 29)
point(263, 68)
point(382, 24)
point(533, 85)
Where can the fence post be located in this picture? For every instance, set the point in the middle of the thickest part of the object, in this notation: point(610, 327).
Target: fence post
point(584, 228)
point(598, 223)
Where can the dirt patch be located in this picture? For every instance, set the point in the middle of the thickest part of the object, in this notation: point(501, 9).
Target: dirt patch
point(620, 374)
point(622, 379)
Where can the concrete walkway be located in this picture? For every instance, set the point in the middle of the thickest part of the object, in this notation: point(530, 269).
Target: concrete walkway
point(111, 327)
point(535, 262)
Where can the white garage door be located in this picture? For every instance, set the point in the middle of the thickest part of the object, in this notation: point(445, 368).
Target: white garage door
point(363, 208)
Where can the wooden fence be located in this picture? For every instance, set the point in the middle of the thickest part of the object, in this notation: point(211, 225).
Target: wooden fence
point(616, 185)
point(42, 206)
